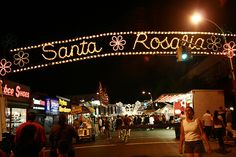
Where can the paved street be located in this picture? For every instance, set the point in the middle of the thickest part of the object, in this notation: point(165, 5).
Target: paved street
point(152, 143)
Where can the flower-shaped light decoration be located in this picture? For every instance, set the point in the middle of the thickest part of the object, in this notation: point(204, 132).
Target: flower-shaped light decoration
point(229, 49)
point(21, 58)
point(5, 67)
point(214, 43)
point(117, 43)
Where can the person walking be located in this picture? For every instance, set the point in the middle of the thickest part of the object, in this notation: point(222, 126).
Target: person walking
point(229, 122)
point(192, 135)
point(61, 138)
point(62, 149)
point(30, 138)
point(100, 125)
point(219, 130)
point(127, 122)
point(107, 128)
point(118, 126)
point(207, 123)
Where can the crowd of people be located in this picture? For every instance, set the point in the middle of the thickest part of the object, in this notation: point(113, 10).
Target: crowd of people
point(30, 139)
point(136, 121)
point(195, 132)
point(106, 125)
point(219, 126)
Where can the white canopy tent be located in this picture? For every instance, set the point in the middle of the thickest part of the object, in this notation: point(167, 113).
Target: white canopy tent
point(167, 110)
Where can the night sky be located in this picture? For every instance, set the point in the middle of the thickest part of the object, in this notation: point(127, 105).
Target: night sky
point(124, 77)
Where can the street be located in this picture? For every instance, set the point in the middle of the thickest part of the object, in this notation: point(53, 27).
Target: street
point(153, 143)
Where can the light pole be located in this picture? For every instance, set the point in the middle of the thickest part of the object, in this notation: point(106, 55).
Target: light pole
point(150, 94)
point(196, 18)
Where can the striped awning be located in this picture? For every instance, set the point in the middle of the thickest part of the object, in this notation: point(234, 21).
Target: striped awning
point(172, 97)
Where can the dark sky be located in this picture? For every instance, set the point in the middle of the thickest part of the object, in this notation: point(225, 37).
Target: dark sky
point(124, 77)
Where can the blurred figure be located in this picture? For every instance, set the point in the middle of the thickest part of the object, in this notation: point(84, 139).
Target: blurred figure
point(139, 121)
point(63, 146)
point(207, 123)
point(191, 135)
point(107, 128)
point(222, 114)
point(101, 126)
point(219, 129)
point(61, 138)
point(127, 122)
point(118, 125)
point(30, 138)
point(151, 121)
point(229, 121)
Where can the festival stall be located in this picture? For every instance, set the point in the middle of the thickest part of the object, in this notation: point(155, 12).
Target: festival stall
point(83, 122)
point(200, 99)
point(167, 110)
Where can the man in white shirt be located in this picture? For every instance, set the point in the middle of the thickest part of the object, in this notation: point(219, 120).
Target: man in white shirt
point(207, 123)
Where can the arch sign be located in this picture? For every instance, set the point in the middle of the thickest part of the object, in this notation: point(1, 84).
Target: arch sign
point(116, 44)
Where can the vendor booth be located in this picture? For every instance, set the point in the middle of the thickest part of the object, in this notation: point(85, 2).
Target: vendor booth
point(200, 99)
point(83, 122)
point(167, 110)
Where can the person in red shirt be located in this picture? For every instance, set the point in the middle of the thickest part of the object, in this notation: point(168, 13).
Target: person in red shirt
point(30, 138)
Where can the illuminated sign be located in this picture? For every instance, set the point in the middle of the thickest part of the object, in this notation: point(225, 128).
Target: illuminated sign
point(38, 102)
point(52, 106)
point(49, 52)
point(38, 108)
point(64, 105)
point(63, 102)
point(16, 90)
point(116, 44)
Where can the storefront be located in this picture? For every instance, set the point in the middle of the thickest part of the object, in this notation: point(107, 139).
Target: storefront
point(65, 107)
point(52, 111)
point(17, 100)
point(38, 107)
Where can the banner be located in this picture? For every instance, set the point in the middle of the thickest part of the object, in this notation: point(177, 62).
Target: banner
point(115, 44)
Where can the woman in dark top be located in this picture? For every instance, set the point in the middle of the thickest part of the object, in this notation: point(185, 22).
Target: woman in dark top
point(219, 130)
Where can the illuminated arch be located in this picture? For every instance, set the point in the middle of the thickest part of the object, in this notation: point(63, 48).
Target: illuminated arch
point(117, 44)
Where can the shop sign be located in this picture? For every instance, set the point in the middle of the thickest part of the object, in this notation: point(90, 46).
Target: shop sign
point(64, 104)
point(16, 90)
point(38, 102)
point(38, 108)
point(80, 109)
point(52, 106)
